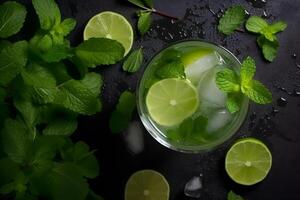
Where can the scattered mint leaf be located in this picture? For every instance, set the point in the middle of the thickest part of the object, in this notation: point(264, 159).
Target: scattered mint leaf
point(144, 22)
point(122, 115)
point(248, 70)
point(12, 60)
point(269, 49)
point(233, 102)
point(48, 13)
point(232, 196)
point(61, 127)
point(256, 24)
point(148, 3)
point(134, 61)
point(93, 196)
point(231, 20)
point(3, 107)
point(56, 54)
point(64, 181)
point(12, 18)
point(93, 82)
point(4, 44)
point(67, 26)
point(8, 170)
point(227, 81)
point(28, 111)
point(99, 51)
point(257, 92)
point(278, 27)
point(173, 69)
point(139, 3)
point(15, 140)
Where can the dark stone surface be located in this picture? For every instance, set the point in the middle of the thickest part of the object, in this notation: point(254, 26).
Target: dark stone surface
point(278, 127)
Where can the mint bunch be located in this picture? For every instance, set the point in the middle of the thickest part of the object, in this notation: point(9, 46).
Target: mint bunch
point(233, 85)
point(45, 84)
point(267, 39)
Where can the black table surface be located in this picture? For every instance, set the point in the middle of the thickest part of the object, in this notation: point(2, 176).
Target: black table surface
point(278, 124)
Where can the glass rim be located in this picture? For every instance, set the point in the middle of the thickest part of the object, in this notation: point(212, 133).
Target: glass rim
point(158, 135)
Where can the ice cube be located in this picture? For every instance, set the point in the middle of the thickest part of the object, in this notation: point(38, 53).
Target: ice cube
point(218, 120)
point(209, 91)
point(193, 188)
point(134, 137)
point(195, 70)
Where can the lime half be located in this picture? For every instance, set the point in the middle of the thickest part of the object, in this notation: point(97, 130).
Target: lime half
point(147, 185)
point(110, 25)
point(248, 161)
point(171, 100)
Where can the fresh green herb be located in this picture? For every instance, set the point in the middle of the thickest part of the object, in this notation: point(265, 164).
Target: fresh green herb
point(232, 196)
point(228, 81)
point(122, 115)
point(134, 61)
point(144, 15)
point(174, 69)
point(40, 101)
point(267, 39)
point(232, 20)
point(12, 17)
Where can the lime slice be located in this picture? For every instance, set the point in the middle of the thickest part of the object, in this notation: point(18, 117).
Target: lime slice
point(199, 61)
point(171, 100)
point(248, 161)
point(110, 25)
point(147, 185)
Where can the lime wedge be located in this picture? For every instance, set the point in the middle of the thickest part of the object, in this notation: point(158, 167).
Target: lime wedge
point(199, 61)
point(147, 185)
point(248, 161)
point(171, 100)
point(110, 25)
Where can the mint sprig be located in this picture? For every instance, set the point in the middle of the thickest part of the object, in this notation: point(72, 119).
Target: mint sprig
point(232, 196)
point(232, 19)
point(228, 81)
point(144, 15)
point(267, 39)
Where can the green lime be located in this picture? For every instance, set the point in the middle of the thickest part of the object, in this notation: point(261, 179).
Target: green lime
point(171, 100)
point(248, 161)
point(147, 185)
point(110, 25)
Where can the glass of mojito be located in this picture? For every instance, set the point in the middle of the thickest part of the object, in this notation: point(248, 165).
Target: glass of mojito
point(179, 102)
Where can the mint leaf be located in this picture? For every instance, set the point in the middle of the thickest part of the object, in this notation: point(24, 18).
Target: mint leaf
point(139, 3)
point(173, 69)
point(28, 111)
point(269, 49)
point(62, 127)
point(248, 70)
point(64, 181)
point(12, 17)
point(12, 60)
point(4, 44)
point(56, 53)
point(227, 81)
point(144, 22)
point(8, 170)
point(3, 107)
point(233, 103)
point(232, 19)
point(122, 115)
point(93, 82)
point(134, 61)
point(67, 26)
point(99, 51)
point(278, 27)
point(232, 196)
point(256, 24)
point(48, 13)
point(257, 92)
point(93, 196)
point(15, 140)
point(85, 161)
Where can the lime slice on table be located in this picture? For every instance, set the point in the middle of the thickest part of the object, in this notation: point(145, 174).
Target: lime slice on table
point(110, 25)
point(248, 161)
point(171, 100)
point(197, 62)
point(147, 185)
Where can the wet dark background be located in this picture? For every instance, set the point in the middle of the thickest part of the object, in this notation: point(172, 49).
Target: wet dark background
point(278, 125)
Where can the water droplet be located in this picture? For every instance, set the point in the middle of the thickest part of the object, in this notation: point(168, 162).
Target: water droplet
point(257, 3)
point(253, 116)
point(296, 93)
point(247, 13)
point(173, 21)
point(274, 111)
point(282, 102)
point(294, 55)
point(193, 188)
point(265, 14)
point(298, 65)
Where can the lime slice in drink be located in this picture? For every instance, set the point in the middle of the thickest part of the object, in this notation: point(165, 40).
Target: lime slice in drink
point(171, 100)
point(110, 25)
point(199, 61)
point(147, 185)
point(248, 161)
